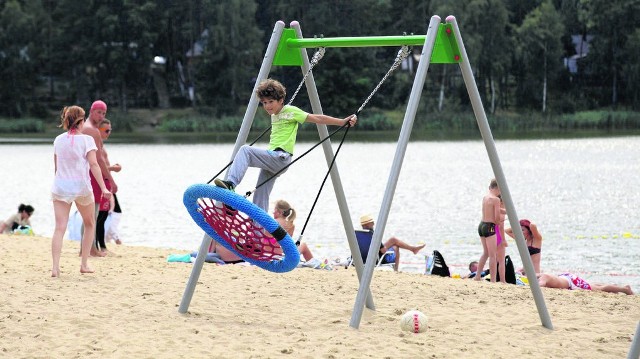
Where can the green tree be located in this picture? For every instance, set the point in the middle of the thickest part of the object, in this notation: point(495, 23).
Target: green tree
point(19, 52)
point(491, 58)
point(540, 52)
point(232, 55)
point(631, 69)
point(123, 54)
point(611, 22)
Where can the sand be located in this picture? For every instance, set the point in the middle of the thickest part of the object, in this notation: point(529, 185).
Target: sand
point(129, 309)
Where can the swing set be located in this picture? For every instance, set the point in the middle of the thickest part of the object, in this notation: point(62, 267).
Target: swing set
point(255, 236)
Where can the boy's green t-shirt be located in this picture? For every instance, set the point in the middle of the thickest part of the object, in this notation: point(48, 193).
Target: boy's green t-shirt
point(284, 127)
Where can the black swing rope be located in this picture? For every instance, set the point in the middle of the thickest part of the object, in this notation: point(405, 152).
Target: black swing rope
point(402, 54)
point(317, 56)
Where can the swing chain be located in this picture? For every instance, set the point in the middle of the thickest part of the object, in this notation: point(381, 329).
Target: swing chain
point(402, 54)
point(317, 56)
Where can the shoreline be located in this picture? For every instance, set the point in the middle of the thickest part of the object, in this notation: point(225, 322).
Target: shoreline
point(129, 308)
point(158, 137)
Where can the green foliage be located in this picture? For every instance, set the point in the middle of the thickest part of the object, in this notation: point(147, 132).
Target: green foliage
point(539, 49)
point(24, 125)
point(57, 53)
point(375, 121)
point(232, 55)
point(201, 124)
point(19, 34)
point(601, 120)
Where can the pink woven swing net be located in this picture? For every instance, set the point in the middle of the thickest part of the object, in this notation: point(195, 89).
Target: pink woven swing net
point(243, 235)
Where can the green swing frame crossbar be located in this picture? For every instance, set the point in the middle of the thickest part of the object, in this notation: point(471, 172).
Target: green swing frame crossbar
point(445, 50)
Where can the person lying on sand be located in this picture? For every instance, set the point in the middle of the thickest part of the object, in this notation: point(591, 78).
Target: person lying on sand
point(572, 281)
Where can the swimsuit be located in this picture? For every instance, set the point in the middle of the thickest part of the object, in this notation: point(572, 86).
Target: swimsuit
point(234, 261)
point(533, 250)
point(575, 282)
point(486, 229)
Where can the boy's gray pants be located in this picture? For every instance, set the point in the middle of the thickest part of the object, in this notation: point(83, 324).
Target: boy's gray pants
point(269, 163)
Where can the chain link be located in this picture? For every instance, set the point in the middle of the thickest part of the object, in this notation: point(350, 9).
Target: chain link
point(314, 61)
point(402, 54)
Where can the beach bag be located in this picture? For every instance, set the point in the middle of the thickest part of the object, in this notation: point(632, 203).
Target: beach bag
point(438, 266)
point(509, 271)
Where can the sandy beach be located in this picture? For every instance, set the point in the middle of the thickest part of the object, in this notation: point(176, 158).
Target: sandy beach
point(129, 309)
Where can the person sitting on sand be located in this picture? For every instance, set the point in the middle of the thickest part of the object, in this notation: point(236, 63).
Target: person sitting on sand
point(572, 281)
point(534, 242)
point(284, 214)
point(367, 224)
point(17, 220)
point(227, 256)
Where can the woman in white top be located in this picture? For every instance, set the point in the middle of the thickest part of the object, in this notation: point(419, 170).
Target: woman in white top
point(74, 155)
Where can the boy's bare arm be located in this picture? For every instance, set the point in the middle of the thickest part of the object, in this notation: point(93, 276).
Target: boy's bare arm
point(330, 120)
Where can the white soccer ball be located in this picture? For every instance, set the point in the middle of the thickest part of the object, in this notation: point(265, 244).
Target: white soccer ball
point(414, 321)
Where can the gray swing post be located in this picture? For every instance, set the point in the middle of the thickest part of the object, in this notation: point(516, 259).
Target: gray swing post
point(316, 107)
point(405, 133)
point(485, 130)
point(634, 349)
point(247, 121)
point(490, 145)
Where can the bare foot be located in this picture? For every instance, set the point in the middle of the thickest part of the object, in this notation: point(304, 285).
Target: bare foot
point(55, 273)
point(627, 290)
point(86, 270)
point(96, 253)
point(417, 249)
point(118, 241)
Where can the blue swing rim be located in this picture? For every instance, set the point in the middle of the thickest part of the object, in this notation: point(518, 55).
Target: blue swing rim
point(291, 256)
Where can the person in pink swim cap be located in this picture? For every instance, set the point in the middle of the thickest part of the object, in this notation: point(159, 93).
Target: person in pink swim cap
point(97, 114)
point(98, 105)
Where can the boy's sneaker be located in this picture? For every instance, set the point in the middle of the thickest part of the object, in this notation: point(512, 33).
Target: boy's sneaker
point(224, 184)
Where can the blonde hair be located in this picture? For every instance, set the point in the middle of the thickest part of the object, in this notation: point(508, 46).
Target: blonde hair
point(70, 117)
point(104, 123)
point(284, 207)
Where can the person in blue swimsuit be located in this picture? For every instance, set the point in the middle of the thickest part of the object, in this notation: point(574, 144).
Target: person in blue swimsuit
point(487, 232)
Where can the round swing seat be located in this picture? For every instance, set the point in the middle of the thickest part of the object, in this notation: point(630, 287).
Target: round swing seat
point(241, 227)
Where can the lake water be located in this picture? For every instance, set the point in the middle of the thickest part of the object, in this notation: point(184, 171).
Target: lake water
point(582, 193)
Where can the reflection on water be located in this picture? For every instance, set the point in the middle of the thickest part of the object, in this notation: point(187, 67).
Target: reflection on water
point(582, 193)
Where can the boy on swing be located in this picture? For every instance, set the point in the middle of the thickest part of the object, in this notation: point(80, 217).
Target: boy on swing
point(284, 129)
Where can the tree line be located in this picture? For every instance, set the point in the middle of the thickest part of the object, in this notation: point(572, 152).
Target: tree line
point(206, 54)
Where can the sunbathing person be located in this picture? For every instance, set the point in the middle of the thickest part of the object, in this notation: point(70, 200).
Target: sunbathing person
point(227, 256)
point(534, 242)
point(284, 214)
point(572, 281)
point(367, 223)
point(473, 270)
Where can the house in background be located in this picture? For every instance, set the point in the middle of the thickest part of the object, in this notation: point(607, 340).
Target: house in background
point(581, 45)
